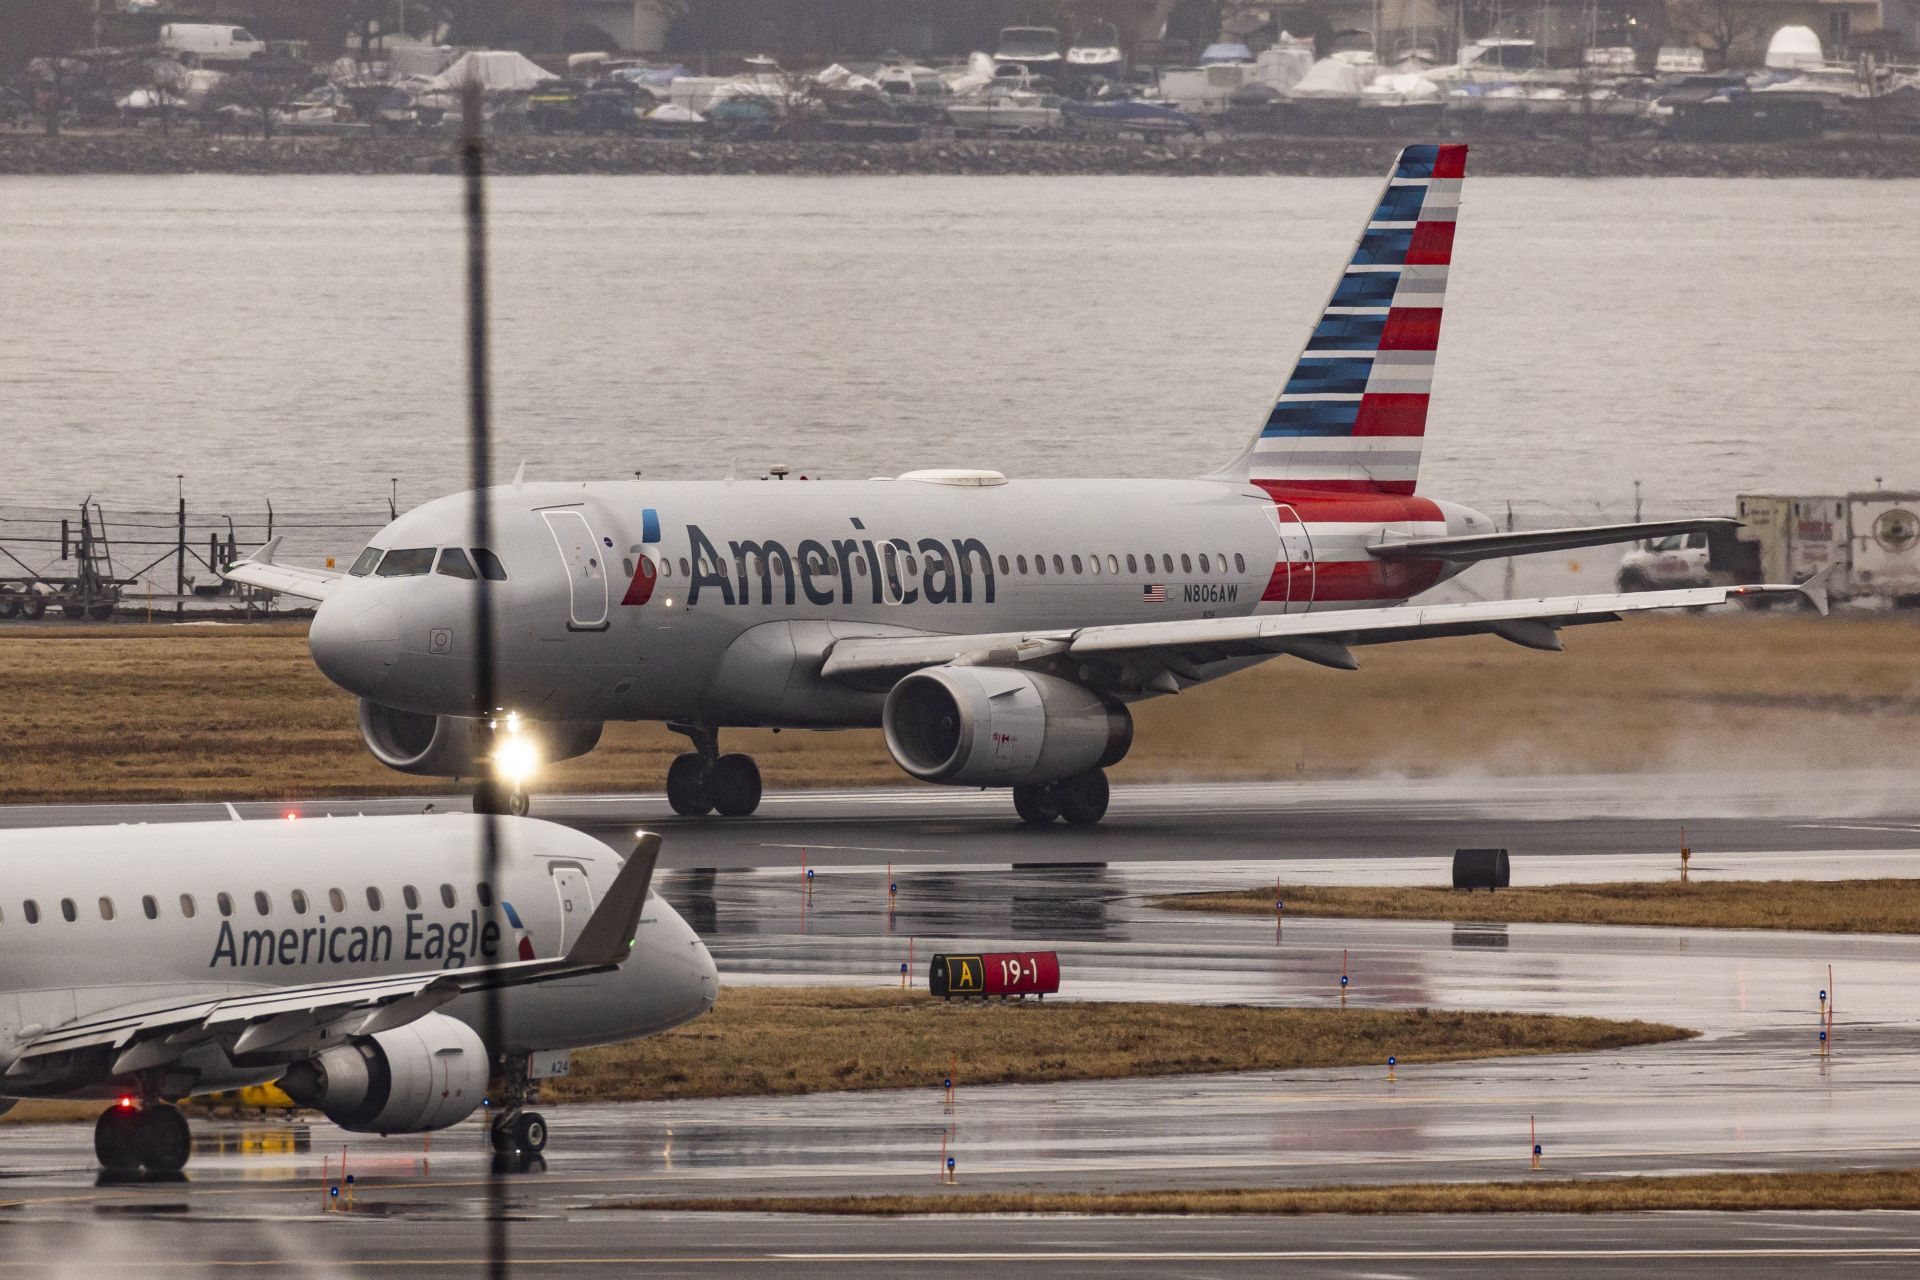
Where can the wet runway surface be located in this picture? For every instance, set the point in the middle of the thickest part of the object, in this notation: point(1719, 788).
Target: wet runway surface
point(1607, 815)
point(1752, 1092)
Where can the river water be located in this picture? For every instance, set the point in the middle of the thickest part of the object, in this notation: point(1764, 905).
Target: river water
point(299, 339)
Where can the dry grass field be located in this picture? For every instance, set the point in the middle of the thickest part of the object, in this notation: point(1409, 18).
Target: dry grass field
point(762, 1041)
point(779, 1040)
point(237, 712)
point(1824, 906)
point(1718, 1192)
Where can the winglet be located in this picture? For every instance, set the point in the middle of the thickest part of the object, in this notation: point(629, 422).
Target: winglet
point(1815, 590)
point(264, 553)
point(608, 936)
point(520, 475)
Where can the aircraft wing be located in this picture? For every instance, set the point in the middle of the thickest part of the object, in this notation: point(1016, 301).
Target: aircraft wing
point(293, 1020)
point(261, 570)
point(1149, 657)
point(1488, 546)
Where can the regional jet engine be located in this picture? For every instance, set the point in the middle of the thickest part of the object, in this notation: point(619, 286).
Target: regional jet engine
point(428, 1074)
point(998, 727)
point(460, 746)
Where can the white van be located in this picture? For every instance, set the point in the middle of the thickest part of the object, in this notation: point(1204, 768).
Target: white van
point(212, 41)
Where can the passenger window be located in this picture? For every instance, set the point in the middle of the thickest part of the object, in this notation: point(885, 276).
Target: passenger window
point(490, 567)
point(1132, 565)
point(1186, 563)
point(1239, 563)
point(1149, 562)
point(299, 901)
point(411, 896)
point(484, 892)
point(150, 907)
point(454, 564)
point(373, 898)
point(68, 911)
point(1040, 565)
point(1221, 560)
point(1203, 563)
point(106, 908)
point(31, 910)
point(261, 903)
point(1021, 561)
point(337, 900)
point(1076, 565)
point(1094, 562)
point(685, 570)
point(224, 901)
point(860, 565)
point(364, 564)
point(1004, 569)
point(186, 905)
point(406, 562)
point(1058, 565)
point(913, 566)
point(1113, 563)
point(446, 895)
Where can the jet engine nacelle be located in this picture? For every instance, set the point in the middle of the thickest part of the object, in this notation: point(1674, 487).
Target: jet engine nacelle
point(428, 1074)
point(998, 727)
point(459, 746)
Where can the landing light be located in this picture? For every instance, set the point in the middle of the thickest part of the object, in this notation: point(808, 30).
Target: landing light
point(516, 760)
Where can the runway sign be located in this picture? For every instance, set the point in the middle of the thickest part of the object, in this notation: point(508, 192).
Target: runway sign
point(995, 973)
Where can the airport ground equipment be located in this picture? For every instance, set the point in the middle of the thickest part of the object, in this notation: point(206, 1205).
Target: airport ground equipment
point(90, 591)
point(1868, 543)
point(1487, 869)
point(995, 973)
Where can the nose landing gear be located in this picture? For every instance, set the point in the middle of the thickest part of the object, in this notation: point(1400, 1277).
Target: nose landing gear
point(703, 781)
point(129, 1139)
point(498, 797)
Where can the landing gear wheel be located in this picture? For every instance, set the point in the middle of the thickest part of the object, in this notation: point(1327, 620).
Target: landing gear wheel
point(1036, 803)
point(114, 1140)
point(33, 606)
point(495, 797)
point(1083, 799)
point(687, 785)
point(521, 1133)
point(734, 785)
point(161, 1139)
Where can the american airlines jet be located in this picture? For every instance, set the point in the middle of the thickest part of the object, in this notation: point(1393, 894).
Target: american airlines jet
point(342, 957)
point(996, 629)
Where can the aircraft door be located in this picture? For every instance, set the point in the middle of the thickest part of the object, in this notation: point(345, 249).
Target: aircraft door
point(1300, 569)
point(576, 903)
point(586, 568)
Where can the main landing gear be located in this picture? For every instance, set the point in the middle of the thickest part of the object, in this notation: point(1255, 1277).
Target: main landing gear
point(703, 781)
point(518, 1134)
point(498, 797)
point(151, 1138)
point(1080, 800)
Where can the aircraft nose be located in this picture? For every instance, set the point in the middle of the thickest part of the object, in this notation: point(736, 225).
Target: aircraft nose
point(354, 643)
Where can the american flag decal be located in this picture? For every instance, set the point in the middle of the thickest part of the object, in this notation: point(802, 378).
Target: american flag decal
point(1154, 593)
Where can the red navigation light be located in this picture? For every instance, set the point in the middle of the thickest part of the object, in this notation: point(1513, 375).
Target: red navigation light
point(292, 814)
point(126, 1102)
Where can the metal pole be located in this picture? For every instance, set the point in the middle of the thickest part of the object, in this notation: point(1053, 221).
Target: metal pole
point(180, 565)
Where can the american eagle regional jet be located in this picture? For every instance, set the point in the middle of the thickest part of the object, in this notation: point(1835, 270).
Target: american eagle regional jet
point(996, 629)
point(342, 957)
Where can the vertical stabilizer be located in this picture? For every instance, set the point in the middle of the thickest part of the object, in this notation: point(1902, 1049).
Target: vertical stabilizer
point(1354, 410)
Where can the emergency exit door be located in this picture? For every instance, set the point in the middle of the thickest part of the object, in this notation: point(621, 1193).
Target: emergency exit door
point(586, 568)
point(576, 903)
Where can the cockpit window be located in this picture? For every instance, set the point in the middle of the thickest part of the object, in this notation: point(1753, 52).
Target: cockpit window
point(406, 562)
point(368, 558)
point(490, 567)
point(454, 563)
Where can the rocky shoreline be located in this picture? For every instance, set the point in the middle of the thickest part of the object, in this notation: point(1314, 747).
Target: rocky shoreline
point(191, 152)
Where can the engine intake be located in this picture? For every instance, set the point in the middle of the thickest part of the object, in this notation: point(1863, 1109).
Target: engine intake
point(428, 1074)
point(998, 727)
point(458, 746)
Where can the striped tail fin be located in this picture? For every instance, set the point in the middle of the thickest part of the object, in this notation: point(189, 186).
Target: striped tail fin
point(1354, 410)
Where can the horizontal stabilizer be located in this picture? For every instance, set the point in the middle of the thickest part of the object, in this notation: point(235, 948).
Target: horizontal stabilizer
point(1489, 546)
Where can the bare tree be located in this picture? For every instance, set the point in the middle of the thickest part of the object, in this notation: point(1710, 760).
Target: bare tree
point(264, 87)
point(1718, 26)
